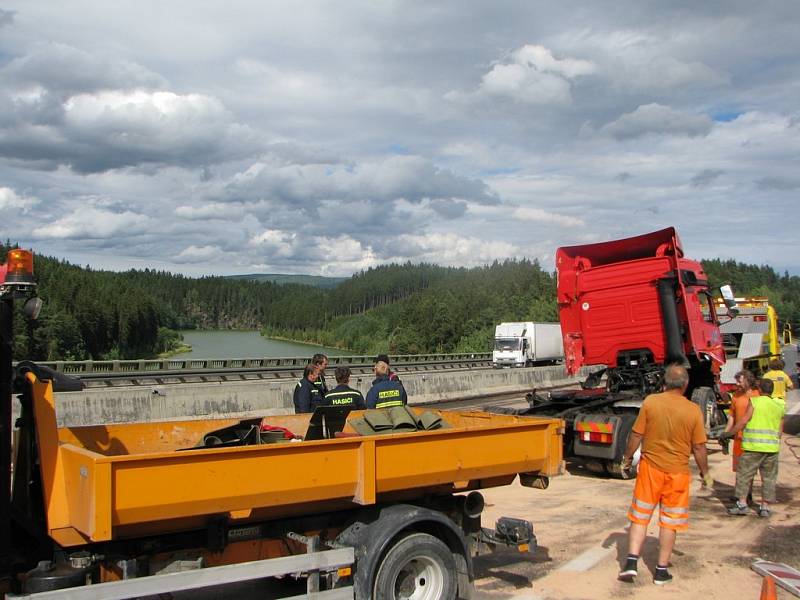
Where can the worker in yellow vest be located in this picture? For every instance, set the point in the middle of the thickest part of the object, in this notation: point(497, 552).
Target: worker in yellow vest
point(782, 381)
point(761, 441)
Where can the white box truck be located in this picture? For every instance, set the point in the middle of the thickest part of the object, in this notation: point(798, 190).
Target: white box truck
point(521, 344)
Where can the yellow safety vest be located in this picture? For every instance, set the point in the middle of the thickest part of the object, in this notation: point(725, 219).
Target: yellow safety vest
point(779, 378)
point(763, 431)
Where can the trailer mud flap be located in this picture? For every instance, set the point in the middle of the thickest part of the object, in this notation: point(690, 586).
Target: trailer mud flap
point(601, 436)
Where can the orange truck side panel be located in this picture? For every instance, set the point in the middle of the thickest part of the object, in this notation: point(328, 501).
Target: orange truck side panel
point(114, 481)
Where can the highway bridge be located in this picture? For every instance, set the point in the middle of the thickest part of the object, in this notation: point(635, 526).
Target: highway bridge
point(142, 391)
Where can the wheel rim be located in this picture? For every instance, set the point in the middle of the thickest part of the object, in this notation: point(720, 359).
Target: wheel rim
point(420, 578)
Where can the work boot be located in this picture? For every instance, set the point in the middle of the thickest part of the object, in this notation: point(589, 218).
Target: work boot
point(631, 569)
point(662, 576)
point(739, 509)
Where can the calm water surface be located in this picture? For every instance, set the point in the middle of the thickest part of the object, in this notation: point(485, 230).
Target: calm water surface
point(246, 344)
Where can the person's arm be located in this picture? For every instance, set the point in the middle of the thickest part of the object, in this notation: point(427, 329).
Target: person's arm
point(741, 422)
point(634, 441)
point(304, 398)
point(789, 382)
point(729, 424)
point(701, 458)
point(370, 401)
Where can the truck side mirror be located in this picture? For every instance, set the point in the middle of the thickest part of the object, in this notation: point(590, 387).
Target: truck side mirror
point(729, 300)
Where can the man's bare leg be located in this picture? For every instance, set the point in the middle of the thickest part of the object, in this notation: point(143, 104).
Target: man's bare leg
point(666, 541)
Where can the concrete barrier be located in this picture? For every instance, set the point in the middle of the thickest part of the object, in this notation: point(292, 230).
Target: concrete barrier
point(244, 399)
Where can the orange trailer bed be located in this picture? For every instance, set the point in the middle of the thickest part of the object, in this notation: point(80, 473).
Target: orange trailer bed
point(118, 481)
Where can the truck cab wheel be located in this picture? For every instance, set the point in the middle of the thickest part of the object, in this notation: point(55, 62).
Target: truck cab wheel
point(705, 398)
point(418, 567)
point(614, 466)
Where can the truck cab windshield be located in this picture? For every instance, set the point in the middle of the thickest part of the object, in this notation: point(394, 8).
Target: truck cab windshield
point(506, 344)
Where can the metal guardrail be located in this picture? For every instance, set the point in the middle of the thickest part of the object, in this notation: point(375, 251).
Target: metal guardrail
point(255, 364)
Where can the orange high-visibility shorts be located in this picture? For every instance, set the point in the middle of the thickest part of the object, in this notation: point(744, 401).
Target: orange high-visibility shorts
point(654, 487)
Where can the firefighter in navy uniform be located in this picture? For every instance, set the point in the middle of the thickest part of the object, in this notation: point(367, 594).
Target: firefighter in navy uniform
point(306, 394)
point(385, 392)
point(343, 394)
point(320, 363)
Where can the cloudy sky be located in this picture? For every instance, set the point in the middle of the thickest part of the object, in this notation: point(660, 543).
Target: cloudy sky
point(325, 137)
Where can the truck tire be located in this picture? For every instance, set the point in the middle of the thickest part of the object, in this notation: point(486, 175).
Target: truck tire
point(418, 566)
point(705, 398)
point(614, 467)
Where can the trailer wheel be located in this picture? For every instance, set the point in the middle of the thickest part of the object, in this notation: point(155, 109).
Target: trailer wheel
point(418, 567)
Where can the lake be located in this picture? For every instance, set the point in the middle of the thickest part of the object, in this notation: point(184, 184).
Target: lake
point(247, 344)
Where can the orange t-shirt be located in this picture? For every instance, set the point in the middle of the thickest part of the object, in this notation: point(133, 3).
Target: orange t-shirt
point(671, 425)
point(739, 406)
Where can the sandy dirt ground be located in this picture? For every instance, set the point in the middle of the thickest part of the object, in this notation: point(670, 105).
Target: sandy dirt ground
point(581, 528)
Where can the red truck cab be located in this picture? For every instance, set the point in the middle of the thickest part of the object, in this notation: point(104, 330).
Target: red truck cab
point(635, 305)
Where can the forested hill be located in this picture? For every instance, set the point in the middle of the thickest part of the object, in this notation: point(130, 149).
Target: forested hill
point(315, 280)
point(397, 308)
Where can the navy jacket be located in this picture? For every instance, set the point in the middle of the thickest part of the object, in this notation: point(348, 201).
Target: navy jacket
point(344, 395)
point(306, 396)
point(386, 392)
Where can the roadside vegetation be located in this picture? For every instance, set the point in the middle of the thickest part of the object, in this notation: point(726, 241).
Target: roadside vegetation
point(399, 308)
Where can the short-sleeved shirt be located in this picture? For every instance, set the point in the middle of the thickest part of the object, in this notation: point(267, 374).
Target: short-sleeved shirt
point(670, 425)
point(782, 382)
point(739, 404)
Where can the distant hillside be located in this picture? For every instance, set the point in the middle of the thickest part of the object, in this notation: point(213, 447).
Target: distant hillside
point(396, 308)
point(280, 279)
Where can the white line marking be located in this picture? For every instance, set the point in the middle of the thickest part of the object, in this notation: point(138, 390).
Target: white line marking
point(588, 559)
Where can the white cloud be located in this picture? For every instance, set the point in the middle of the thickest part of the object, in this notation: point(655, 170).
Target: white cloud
point(525, 213)
point(533, 75)
point(94, 223)
point(657, 119)
point(197, 254)
point(211, 210)
point(10, 200)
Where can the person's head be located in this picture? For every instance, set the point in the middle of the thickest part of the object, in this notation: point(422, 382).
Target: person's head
point(342, 374)
point(766, 386)
point(745, 379)
point(320, 361)
point(776, 364)
point(382, 358)
point(676, 377)
point(381, 368)
point(310, 372)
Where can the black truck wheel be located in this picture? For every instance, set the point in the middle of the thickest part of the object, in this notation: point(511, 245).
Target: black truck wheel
point(705, 398)
point(614, 467)
point(418, 567)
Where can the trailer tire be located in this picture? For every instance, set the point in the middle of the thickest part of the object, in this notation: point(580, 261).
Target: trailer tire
point(417, 566)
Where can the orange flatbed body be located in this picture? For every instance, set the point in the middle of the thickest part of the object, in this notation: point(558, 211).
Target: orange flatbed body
point(120, 481)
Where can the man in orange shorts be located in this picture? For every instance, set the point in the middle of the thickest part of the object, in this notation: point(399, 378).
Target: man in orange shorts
point(670, 429)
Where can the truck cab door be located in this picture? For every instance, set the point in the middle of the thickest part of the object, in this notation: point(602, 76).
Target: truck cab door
point(703, 326)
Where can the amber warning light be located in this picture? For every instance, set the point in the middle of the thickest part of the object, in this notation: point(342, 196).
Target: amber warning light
point(19, 267)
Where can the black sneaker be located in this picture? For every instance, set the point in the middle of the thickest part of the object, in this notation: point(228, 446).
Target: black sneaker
point(662, 576)
point(630, 571)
